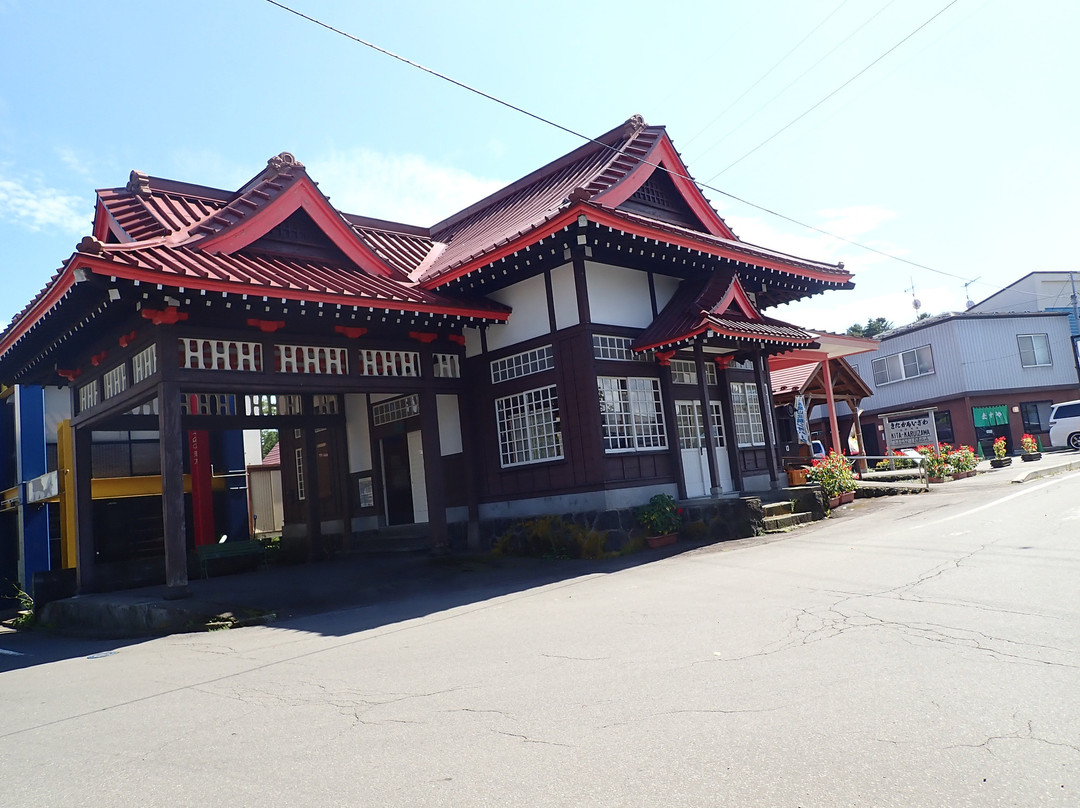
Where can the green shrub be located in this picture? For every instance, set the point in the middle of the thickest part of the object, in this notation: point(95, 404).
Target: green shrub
point(551, 537)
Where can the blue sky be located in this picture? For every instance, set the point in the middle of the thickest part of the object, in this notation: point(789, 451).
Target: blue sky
point(957, 150)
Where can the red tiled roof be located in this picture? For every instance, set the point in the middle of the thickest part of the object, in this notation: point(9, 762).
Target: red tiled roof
point(273, 457)
point(793, 378)
point(536, 198)
point(717, 305)
point(275, 276)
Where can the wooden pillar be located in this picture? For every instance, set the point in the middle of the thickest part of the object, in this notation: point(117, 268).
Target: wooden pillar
point(469, 454)
point(830, 405)
point(81, 471)
point(171, 431)
point(581, 287)
point(309, 474)
point(433, 470)
point(667, 401)
point(706, 417)
point(768, 417)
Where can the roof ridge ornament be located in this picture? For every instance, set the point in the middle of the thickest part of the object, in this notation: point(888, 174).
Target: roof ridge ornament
point(139, 183)
point(90, 246)
point(284, 161)
point(634, 124)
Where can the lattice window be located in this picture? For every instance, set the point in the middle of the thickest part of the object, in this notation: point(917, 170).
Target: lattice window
point(88, 396)
point(396, 409)
point(522, 364)
point(115, 381)
point(365, 492)
point(311, 359)
point(692, 429)
point(144, 364)
point(749, 430)
point(632, 414)
point(529, 427)
point(326, 405)
point(683, 371)
point(389, 363)
point(710, 374)
point(208, 404)
point(446, 366)
point(217, 354)
point(608, 347)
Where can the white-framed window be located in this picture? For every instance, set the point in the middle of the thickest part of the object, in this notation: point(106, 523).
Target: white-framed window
point(904, 365)
point(396, 409)
point(749, 430)
point(529, 427)
point(692, 428)
point(684, 371)
point(522, 364)
point(609, 347)
point(632, 414)
point(1034, 350)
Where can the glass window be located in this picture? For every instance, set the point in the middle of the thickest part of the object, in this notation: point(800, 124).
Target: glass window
point(943, 421)
point(904, 365)
point(1034, 350)
point(1036, 415)
point(632, 415)
point(529, 427)
point(749, 430)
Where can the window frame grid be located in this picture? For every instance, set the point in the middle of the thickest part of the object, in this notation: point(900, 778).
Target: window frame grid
point(631, 414)
point(1034, 352)
point(529, 427)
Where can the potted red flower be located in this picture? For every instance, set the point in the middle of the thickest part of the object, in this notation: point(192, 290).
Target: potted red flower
point(1031, 448)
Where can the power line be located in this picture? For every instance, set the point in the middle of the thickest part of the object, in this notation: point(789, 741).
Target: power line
point(794, 81)
point(834, 92)
point(588, 139)
point(765, 75)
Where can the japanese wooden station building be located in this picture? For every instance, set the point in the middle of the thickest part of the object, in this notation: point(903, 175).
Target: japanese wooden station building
point(582, 339)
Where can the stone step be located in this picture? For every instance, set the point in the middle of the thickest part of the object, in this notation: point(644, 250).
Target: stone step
point(778, 524)
point(778, 508)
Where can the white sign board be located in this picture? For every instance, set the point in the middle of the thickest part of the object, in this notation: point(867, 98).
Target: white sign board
point(802, 423)
point(910, 429)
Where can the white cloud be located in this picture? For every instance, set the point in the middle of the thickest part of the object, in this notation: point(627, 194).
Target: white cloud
point(399, 187)
point(35, 206)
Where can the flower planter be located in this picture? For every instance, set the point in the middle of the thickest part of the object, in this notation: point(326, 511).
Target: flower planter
point(847, 496)
point(1001, 462)
point(834, 502)
point(1027, 457)
point(962, 475)
point(933, 479)
point(661, 541)
point(796, 477)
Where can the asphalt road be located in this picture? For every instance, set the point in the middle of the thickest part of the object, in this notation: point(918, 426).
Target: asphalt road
point(915, 651)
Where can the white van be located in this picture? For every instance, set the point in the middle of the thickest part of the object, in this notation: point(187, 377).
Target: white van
point(1065, 424)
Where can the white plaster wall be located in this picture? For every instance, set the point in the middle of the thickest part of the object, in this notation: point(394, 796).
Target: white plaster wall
point(449, 425)
point(564, 294)
point(57, 409)
point(358, 432)
point(665, 286)
point(416, 475)
point(472, 342)
point(252, 447)
point(528, 299)
point(618, 296)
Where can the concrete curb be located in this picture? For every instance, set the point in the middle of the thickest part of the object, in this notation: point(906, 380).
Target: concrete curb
point(1046, 471)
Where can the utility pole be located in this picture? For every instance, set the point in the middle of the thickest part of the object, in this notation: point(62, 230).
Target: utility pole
point(1076, 317)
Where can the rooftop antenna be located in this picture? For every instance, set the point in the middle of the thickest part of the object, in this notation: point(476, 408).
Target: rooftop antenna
point(915, 302)
point(968, 302)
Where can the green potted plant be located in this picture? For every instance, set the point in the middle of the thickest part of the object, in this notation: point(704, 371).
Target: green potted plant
point(963, 461)
point(835, 477)
point(1031, 448)
point(936, 461)
point(1000, 448)
point(661, 518)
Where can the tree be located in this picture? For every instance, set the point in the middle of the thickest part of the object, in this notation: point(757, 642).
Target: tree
point(873, 327)
point(269, 439)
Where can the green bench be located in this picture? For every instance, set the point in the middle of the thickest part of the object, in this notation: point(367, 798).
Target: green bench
point(230, 549)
